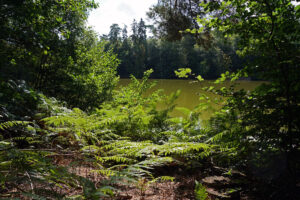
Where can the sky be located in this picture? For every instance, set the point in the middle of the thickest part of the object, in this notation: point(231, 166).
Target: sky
point(121, 12)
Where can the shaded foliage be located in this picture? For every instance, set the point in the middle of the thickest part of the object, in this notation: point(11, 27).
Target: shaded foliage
point(262, 126)
point(47, 44)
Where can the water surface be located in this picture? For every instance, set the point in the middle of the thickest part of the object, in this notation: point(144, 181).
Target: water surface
point(191, 90)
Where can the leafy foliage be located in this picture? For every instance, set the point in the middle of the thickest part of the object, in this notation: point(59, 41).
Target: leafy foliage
point(47, 45)
point(128, 137)
point(200, 191)
point(261, 127)
point(133, 117)
point(123, 134)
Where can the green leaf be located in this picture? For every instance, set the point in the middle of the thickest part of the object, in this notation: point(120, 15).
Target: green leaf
point(59, 19)
point(200, 78)
point(183, 72)
point(200, 191)
point(184, 110)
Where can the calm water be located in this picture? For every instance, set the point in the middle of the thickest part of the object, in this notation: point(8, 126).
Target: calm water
point(189, 96)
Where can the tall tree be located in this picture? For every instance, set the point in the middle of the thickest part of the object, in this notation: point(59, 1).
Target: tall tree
point(173, 16)
point(124, 54)
point(134, 28)
point(124, 33)
point(114, 33)
point(139, 48)
point(142, 31)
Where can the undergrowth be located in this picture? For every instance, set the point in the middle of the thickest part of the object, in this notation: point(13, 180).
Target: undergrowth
point(123, 141)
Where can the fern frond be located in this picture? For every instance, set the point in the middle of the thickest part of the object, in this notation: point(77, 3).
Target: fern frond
point(162, 179)
point(117, 159)
point(10, 124)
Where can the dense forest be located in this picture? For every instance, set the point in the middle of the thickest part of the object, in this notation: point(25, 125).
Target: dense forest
point(138, 53)
point(68, 132)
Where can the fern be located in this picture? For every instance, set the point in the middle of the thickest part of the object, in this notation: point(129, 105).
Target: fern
point(10, 124)
point(28, 170)
point(127, 138)
point(200, 191)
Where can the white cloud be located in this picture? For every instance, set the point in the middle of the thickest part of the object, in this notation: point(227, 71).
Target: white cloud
point(118, 11)
point(125, 8)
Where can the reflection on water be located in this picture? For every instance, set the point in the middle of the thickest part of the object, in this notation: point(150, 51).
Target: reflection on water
point(190, 90)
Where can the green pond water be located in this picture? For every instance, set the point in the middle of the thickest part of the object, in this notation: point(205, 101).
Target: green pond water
point(190, 91)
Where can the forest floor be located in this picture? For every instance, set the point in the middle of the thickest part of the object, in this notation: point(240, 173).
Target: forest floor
point(218, 183)
point(217, 186)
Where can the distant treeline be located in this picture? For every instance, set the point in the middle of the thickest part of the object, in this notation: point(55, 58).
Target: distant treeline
point(138, 53)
